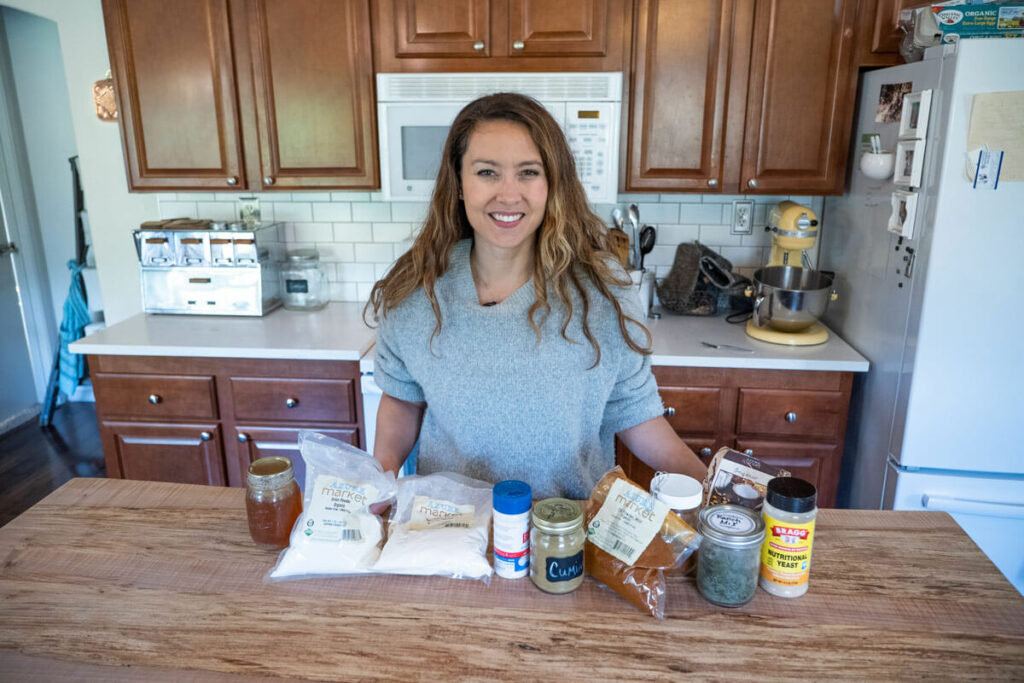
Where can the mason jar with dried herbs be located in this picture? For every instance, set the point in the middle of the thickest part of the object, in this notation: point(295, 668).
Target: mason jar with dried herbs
point(730, 554)
point(273, 501)
point(556, 545)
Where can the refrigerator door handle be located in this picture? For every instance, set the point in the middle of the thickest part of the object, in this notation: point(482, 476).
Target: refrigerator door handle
point(972, 507)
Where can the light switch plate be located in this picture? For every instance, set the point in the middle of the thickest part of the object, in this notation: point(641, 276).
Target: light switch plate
point(742, 217)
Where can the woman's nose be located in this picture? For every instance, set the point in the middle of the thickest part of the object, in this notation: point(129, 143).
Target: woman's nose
point(509, 190)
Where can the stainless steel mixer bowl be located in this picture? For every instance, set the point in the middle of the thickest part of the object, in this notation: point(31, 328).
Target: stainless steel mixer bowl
point(790, 299)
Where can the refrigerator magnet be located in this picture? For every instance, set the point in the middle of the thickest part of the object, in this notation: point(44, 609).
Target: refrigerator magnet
point(909, 162)
point(904, 213)
point(914, 117)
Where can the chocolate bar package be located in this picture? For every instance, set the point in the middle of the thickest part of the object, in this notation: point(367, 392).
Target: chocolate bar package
point(738, 478)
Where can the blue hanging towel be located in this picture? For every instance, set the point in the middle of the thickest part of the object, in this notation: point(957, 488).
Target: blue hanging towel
point(76, 317)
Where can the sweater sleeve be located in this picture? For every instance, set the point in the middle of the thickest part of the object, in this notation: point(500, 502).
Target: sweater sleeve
point(634, 398)
point(389, 369)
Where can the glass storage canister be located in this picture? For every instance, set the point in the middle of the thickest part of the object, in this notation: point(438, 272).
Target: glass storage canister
point(273, 501)
point(730, 554)
point(556, 545)
point(304, 285)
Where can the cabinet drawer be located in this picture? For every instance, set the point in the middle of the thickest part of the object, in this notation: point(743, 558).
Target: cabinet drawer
point(155, 397)
point(691, 409)
point(790, 413)
point(305, 400)
point(180, 453)
point(816, 463)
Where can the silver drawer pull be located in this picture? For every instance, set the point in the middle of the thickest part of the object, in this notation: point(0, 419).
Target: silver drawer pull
point(752, 184)
point(518, 45)
point(242, 438)
point(232, 180)
point(749, 451)
point(478, 45)
point(790, 417)
point(670, 411)
point(705, 452)
point(205, 436)
point(268, 180)
point(713, 182)
point(154, 399)
point(291, 402)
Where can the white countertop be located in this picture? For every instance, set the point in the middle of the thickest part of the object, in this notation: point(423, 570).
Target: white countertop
point(336, 332)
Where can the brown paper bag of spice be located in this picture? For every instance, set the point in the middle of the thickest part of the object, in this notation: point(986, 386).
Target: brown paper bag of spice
point(607, 558)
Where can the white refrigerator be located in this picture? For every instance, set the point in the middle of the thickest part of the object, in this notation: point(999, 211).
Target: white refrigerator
point(938, 421)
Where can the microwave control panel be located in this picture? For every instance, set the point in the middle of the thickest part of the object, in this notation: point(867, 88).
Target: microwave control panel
point(592, 129)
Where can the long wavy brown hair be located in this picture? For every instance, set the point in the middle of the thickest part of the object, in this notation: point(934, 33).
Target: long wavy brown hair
point(571, 243)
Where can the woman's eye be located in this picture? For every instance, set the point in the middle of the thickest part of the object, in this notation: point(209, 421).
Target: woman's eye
point(485, 172)
point(532, 172)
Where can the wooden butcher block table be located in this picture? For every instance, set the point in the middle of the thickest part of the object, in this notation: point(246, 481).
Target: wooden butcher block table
point(115, 579)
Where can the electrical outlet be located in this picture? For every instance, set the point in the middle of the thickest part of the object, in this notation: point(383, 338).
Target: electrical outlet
point(249, 210)
point(742, 217)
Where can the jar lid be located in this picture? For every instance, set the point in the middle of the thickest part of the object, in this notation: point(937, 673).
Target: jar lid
point(791, 494)
point(731, 525)
point(678, 491)
point(303, 255)
point(270, 473)
point(557, 515)
point(512, 497)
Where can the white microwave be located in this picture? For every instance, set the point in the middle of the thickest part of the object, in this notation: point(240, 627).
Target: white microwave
point(415, 112)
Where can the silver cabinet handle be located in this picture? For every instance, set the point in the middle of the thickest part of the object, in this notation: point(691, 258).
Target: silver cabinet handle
point(154, 399)
point(752, 184)
point(790, 417)
point(205, 436)
point(268, 180)
point(713, 182)
point(705, 452)
point(518, 45)
point(670, 411)
point(242, 438)
point(232, 180)
point(478, 45)
point(749, 451)
point(291, 402)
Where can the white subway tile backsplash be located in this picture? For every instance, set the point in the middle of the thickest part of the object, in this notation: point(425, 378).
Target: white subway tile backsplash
point(658, 213)
point(356, 272)
point(371, 211)
point(674, 234)
point(700, 213)
point(327, 212)
point(374, 253)
point(218, 211)
point(661, 255)
point(744, 257)
point(410, 212)
point(363, 291)
point(626, 199)
point(353, 232)
point(311, 196)
point(350, 196)
point(177, 210)
point(719, 236)
point(293, 211)
point(344, 291)
point(682, 198)
point(391, 232)
point(313, 232)
point(336, 251)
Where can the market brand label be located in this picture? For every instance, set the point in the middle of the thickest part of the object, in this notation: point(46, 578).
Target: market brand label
point(432, 513)
point(627, 521)
point(786, 552)
point(558, 569)
point(334, 509)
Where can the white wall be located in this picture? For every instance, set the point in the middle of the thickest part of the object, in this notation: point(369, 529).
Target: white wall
point(113, 211)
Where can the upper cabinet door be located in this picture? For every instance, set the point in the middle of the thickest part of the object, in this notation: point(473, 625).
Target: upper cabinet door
point(313, 85)
point(566, 27)
point(679, 92)
point(439, 28)
point(878, 33)
point(801, 97)
point(176, 93)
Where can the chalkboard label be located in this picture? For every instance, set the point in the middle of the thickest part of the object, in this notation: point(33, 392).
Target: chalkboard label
point(296, 286)
point(563, 568)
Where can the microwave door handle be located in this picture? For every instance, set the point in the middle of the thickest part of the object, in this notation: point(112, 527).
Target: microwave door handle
point(972, 507)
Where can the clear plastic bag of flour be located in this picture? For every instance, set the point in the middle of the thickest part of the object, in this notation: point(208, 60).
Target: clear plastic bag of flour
point(439, 527)
point(336, 533)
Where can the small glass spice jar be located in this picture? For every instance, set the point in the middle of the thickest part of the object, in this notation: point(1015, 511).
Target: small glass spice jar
point(730, 554)
point(556, 545)
point(304, 285)
point(683, 494)
point(273, 501)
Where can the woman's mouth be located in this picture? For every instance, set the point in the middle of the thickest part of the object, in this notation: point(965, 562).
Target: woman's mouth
point(506, 220)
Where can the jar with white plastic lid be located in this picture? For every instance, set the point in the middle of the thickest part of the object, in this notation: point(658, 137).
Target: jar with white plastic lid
point(681, 493)
point(304, 285)
point(790, 509)
point(511, 502)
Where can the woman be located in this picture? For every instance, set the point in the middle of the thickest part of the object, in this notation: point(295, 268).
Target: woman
point(509, 341)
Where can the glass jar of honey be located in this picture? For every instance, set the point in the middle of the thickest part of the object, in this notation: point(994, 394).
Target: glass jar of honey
point(273, 501)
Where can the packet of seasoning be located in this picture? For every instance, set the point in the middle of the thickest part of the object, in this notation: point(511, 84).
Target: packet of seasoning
point(738, 478)
point(632, 538)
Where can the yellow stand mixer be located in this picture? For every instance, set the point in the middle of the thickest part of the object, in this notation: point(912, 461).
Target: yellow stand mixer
point(789, 295)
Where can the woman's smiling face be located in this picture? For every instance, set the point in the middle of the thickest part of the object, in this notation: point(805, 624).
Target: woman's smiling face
point(504, 186)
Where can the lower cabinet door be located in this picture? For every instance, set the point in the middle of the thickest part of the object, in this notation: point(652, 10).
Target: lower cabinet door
point(182, 453)
point(262, 442)
point(816, 463)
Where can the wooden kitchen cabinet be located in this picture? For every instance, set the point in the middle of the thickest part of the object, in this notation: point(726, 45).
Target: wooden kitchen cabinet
point(203, 420)
point(741, 96)
point(787, 418)
point(500, 35)
point(244, 95)
point(878, 35)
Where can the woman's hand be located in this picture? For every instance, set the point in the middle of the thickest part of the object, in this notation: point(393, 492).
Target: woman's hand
point(658, 445)
point(398, 428)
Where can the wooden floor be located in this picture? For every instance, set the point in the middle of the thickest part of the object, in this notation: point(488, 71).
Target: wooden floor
point(35, 460)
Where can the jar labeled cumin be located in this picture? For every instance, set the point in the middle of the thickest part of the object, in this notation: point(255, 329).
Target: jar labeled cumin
point(273, 501)
point(556, 545)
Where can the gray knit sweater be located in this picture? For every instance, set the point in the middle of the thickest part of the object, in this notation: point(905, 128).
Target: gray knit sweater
point(500, 405)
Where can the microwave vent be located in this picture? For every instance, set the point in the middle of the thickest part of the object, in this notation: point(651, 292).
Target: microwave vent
point(546, 87)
